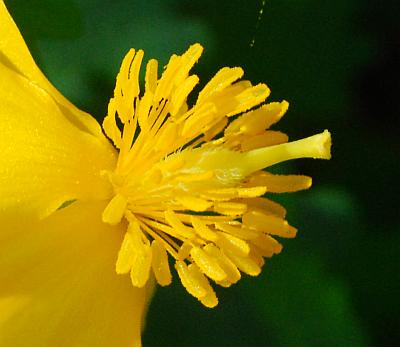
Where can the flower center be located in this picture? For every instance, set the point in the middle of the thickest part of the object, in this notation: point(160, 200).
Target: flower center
point(187, 180)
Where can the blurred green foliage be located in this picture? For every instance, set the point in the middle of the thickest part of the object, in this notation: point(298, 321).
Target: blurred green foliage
point(337, 283)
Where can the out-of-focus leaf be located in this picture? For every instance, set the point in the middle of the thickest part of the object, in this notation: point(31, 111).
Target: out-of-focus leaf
point(303, 305)
point(85, 68)
point(57, 19)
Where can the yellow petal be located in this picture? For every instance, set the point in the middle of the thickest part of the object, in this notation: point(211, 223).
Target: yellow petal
point(15, 54)
point(45, 159)
point(59, 286)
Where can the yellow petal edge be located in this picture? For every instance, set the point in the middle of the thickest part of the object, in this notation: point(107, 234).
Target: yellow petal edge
point(15, 55)
point(50, 151)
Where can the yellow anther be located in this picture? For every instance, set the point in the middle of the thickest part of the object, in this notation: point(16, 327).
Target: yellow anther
point(238, 230)
point(280, 183)
point(151, 75)
point(192, 283)
point(230, 208)
point(184, 250)
point(245, 264)
point(267, 245)
point(160, 264)
point(269, 224)
point(223, 78)
point(233, 274)
point(210, 299)
point(265, 139)
point(193, 203)
point(181, 93)
point(251, 192)
point(126, 255)
point(115, 210)
point(207, 264)
point(166, 137)
point(140, 270)
point(181, 229)
point(249, 98)
point(233, 244)
point(202, 229)
point(198, 122)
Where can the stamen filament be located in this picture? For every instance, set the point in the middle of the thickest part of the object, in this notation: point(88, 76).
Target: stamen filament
point(164, 239)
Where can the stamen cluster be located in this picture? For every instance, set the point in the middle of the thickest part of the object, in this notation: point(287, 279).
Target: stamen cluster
point(188, 181)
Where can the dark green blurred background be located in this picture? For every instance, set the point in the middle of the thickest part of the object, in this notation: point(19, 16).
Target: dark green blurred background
point(337, 63)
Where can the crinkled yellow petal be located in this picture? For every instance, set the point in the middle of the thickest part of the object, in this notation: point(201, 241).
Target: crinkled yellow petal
point(15, 54)
point(59, 286)
point(45, 159)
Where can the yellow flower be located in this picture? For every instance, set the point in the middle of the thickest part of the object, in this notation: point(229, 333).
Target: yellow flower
point(179, 183)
